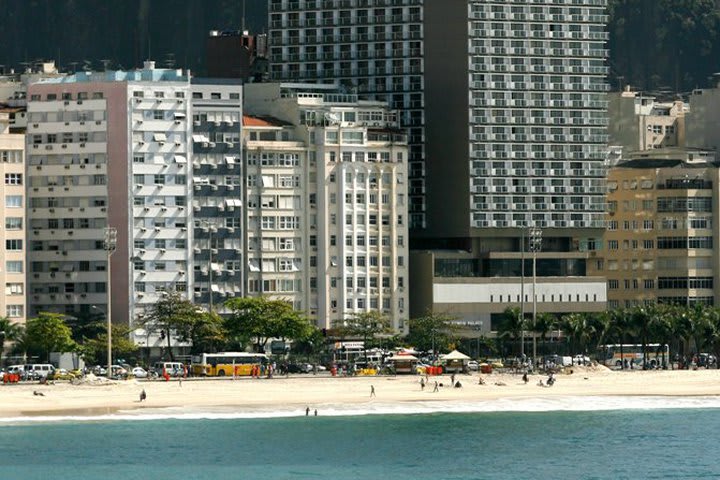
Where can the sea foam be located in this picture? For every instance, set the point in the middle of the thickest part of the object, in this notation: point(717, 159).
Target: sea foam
point(534, 404)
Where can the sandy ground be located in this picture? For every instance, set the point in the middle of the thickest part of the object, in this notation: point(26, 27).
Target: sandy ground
point(64, 398)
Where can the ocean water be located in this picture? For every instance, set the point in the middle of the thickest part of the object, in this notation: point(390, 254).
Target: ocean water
point(571, 438)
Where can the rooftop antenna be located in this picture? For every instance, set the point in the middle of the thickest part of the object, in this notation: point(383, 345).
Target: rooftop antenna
point(243, 16)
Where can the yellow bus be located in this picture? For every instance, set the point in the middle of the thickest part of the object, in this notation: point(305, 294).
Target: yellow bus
point(226, 363)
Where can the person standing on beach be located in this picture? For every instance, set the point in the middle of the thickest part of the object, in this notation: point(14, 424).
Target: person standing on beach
point(436, 387)
point(422, 383)
point(372, 390)
point(307, 411)
point(316, 412)
point(143, 395)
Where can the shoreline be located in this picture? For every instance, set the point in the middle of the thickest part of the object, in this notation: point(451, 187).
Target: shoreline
point(289, 396)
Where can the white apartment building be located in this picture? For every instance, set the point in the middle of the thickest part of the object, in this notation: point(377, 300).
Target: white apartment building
point(371, 47)
point(327, 201)
point(109, 149)
point(13, 255)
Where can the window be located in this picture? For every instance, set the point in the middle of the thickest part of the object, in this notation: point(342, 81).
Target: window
point(13, 179)
point(13, 289)
point(14, 266)
point(14, 311)
point(13, 244)
point(13, 223)
point(13, 201)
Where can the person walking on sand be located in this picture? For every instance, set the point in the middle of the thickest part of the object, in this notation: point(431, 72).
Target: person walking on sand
point(372, 390)
point(436, 387)
point(525, 378)
point(422, 383)
point(143, 395)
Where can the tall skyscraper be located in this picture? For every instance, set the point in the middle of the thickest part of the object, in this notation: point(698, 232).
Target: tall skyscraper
point(512, 102)
point(370, 47)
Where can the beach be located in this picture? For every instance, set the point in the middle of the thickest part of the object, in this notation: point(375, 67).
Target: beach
point(295, 393)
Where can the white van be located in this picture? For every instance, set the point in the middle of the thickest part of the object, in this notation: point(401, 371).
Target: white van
point(38, 370)
point(174, 369)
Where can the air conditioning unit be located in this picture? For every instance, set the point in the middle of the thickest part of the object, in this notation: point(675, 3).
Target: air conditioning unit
point(157, 229)
point(147, 209)
point(177, 122)
point(162, 250)
point(164, 209)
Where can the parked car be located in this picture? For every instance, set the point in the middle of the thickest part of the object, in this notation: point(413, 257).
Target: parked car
point(139, 372)
point(581, 359)
point(61, 374)
point(473, 365)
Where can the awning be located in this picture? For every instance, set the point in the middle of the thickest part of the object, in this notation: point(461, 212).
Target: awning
point(403, 358)
point(180, 159)
point(179, 115)
point(68, 267)
point(254, 265)
point(215, 288)
point(230, 160)
point(159, 137)
point(200, 139)
point(233, 202)
point(455, 355)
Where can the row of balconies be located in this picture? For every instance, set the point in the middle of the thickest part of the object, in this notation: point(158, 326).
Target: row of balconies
point(349, 39)
point(347, 55)
point(312, 21)
point(296, 5)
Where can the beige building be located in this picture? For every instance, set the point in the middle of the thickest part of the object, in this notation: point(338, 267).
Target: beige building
point(640, 122)
point(661, 233)
point(12, 263)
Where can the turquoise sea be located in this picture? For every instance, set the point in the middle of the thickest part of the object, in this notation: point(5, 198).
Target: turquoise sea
point(649, 438)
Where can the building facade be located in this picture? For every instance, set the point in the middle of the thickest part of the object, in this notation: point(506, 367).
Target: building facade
point(640, 122)
point(109, 150)
point(661, 230)
point(370, 47)
point(327, 201)
point(13, 261)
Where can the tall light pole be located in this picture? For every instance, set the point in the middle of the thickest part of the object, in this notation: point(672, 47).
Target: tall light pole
point(535, 246)
point(522, 292)
point(109, 244)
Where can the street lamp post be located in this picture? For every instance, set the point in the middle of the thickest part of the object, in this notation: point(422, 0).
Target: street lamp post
point(535, 245)
point(522, 293)
point(109, 244)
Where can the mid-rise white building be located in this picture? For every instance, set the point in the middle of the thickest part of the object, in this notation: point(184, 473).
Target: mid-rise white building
point(109, 150)
point(327, 201)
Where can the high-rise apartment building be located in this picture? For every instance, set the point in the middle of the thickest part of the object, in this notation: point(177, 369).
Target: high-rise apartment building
point(12, 237)
point(109, 150)
point(326, 202)
point(507, 112)
point(217, 174)
point(370, 47)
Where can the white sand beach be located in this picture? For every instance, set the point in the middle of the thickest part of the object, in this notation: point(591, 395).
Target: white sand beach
point(62, 398)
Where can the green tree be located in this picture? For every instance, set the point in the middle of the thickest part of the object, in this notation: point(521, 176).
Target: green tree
point(258, 319)
point(9, 332)
point(433, 331)
point(312, 345)
point(512, 325)
point(48, 333)
point(172, 314)
point(207, 333)
point(95, 349)
point(364, 325)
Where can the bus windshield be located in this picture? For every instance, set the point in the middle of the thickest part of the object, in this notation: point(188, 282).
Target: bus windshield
point(631, 355)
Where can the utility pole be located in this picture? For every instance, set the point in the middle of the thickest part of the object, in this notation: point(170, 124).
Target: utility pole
point(535, 246)
point(109, 244)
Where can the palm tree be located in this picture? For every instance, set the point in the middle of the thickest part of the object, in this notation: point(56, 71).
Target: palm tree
point(512, 325)
point(544, 324)
point(9, 332)
point(578, 329)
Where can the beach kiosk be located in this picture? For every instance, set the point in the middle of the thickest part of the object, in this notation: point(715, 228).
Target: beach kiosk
point(455, 362)
point(404, 363)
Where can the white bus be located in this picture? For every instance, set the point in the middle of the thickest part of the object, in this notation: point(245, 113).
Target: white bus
point(630, 355)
